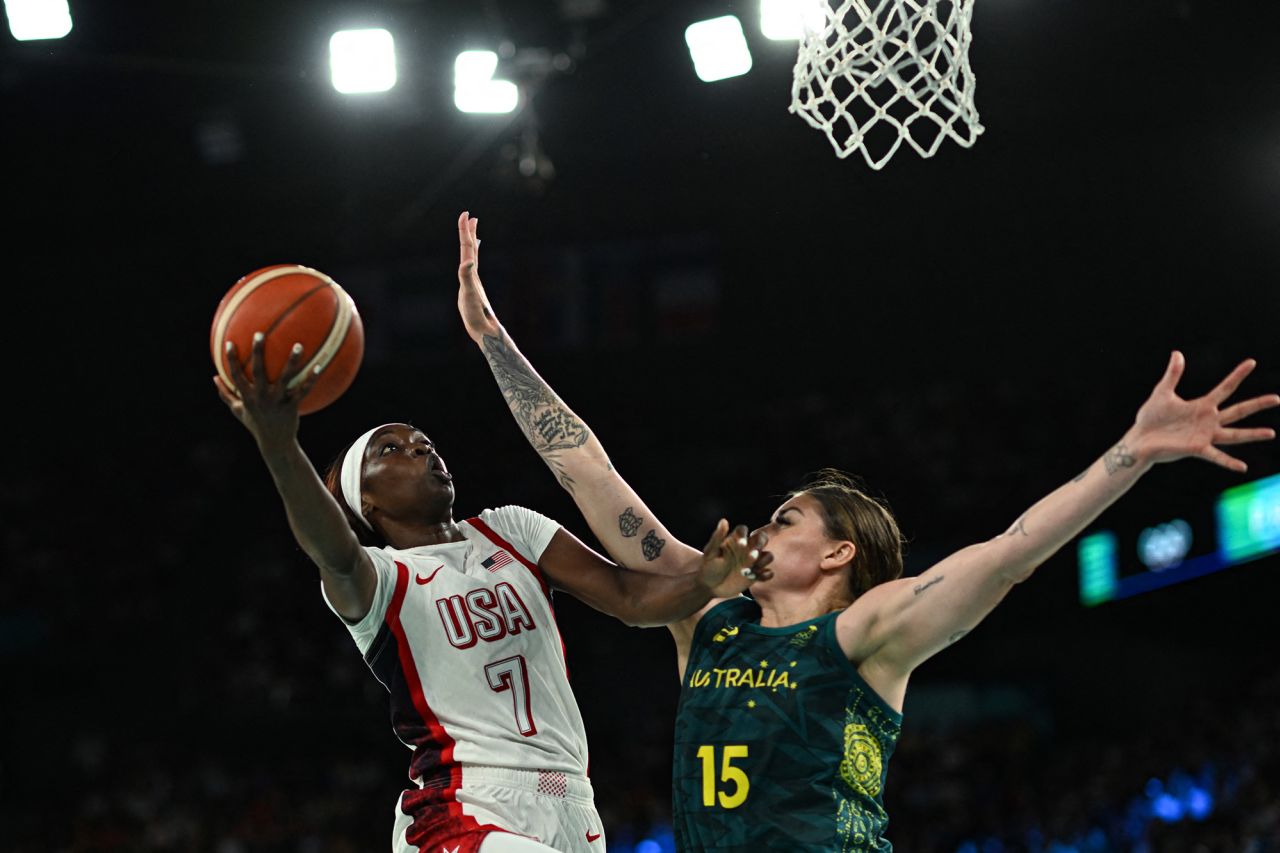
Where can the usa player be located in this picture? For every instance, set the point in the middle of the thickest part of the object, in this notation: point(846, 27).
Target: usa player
point(791, 700)
point(455, 620)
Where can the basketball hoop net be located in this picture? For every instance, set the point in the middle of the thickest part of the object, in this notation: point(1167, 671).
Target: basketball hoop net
point(876, 73)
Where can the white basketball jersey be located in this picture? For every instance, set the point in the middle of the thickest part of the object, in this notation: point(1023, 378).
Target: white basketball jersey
point(463, 637)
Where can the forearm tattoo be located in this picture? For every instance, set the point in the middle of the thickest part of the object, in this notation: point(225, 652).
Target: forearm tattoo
point(1118, 457)
point(1019, 526)
point(651, 545)
point(1078, 477)
point(957, 635)
point(629, 522)
point(545, 421)
point(921, 587)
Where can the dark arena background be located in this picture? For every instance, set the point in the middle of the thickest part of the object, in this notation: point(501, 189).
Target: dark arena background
point(727, 304)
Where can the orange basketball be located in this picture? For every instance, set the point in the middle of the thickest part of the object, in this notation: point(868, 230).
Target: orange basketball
point(292, 304)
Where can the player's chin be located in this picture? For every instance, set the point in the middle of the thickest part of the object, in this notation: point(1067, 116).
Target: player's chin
point(439, 492)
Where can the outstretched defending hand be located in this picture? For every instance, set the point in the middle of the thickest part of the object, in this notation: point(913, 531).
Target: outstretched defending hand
point(473, 305)
point(269, 410)
point(732, 562)
point(1169, 428)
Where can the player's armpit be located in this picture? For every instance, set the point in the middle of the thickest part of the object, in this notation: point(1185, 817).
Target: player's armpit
point(351, 593)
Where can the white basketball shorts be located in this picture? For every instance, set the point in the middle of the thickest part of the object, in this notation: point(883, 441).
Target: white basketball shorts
point(549, 807)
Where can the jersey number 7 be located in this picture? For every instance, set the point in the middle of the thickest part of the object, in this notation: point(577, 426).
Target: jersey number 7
point(728, 773)
point(511, 674)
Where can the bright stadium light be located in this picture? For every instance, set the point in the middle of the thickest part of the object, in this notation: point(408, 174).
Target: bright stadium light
point(38, 19)
point(362, 61)
point(787, 20)
point(718, 48)
point(475, 90)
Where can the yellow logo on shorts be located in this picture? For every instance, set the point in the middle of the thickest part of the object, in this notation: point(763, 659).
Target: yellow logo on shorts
point(861, 767)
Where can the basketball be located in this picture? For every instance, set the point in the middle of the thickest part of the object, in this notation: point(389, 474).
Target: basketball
point(292, 304)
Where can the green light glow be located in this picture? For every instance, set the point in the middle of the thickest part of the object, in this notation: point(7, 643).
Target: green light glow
point(1249, 520)
point(1098, 568)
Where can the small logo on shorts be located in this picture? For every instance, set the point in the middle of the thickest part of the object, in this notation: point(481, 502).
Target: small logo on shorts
point(592, 836)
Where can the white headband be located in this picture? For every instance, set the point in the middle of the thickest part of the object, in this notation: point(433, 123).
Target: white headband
point(352, 471)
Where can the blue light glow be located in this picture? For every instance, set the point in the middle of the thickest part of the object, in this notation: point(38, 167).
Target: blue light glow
point(1167, 808)
point(1199, 803)
point(665, 837)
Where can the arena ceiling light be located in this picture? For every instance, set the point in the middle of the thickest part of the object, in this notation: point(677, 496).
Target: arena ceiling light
point(38, 19)
point(475, 90)
point(362, 61)
point(718, 48)
point(786, 20)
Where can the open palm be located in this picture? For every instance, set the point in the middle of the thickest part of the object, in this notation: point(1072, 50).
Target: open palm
point(1170, 427)
point(473, 305)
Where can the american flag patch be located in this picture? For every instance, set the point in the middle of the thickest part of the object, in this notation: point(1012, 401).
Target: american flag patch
point(497, 561)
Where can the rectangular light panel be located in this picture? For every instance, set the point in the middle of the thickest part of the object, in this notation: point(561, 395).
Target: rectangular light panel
point(786, 20)
point(362, 61)
point(718, 48)
point(475, 90)
point(30, 20)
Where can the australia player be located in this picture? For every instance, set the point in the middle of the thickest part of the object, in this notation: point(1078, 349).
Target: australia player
point(791, 700)
point(455, 620)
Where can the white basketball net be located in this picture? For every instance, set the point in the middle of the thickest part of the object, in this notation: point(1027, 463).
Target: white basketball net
point(873, 74)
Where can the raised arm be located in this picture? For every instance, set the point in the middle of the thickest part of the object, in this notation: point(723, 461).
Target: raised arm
point(630, 531)
point(627, 528)
point(270, 412)
point(895, 627)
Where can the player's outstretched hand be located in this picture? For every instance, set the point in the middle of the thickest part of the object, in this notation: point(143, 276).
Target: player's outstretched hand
point(731, 562)
point(269, 410)
point(1169, 428)
point(473, 305)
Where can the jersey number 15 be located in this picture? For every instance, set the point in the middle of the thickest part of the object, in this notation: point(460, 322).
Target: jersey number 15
point(728, 773)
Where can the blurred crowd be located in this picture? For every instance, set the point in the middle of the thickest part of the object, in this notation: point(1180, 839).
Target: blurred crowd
point(175, 683)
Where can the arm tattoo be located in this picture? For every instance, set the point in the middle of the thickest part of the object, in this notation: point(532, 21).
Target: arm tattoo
point(1019, 526)
point(957, 635)
point(1118, 457)
point(921, 587)
point(545, 421)
point(1081, 475)
point(629, 522)
point(651, 545)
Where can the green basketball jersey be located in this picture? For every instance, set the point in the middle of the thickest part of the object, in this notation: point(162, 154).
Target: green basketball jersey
point(779, 741)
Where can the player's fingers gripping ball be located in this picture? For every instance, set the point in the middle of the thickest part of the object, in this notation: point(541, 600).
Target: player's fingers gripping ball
point(292, 304)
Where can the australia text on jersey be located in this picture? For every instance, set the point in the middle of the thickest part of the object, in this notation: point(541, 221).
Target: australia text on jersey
point(762, 676)
point(484, 614)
